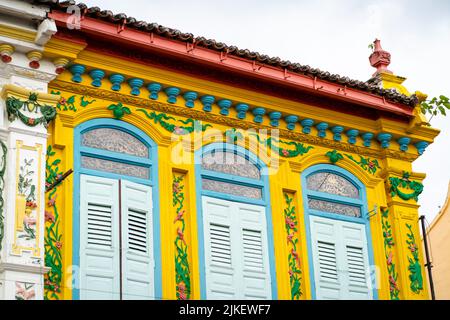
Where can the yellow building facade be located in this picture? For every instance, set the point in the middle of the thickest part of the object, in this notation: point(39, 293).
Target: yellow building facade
point(323, 204)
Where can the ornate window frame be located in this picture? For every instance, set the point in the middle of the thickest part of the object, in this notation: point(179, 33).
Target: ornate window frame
point(262, 183)
point(151, 163)
point(361, 202)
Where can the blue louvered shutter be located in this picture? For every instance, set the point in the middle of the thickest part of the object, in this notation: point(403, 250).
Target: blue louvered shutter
point(236, 250)
point(325, 250)
point(220, 251)
point(340, 259)
point(254, 253)
point(138, 265)
point(99, 238)
point(354, 247)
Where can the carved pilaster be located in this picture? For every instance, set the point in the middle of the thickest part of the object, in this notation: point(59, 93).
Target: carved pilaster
point(403, 189)
point(24, 134)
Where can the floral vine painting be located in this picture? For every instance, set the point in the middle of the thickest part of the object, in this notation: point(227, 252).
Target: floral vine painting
point(25, 291)
point(53, 234)
point(26, 202)
point(389, 244)
point(295, 272)
point(182, 270)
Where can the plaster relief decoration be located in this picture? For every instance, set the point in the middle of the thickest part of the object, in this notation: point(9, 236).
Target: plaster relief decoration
point(182, 269)
point(31, 108)
point(334, 156)
point(389, 244)
point(28, 204)
point(53, 235)
point(70, 103)
point(295, 273)
point(411, 189)
point(287, 149)
point(367, 164)
point(25, 291)
point(119, 110)
point(415, 269)
point(29, 111)
point(183, 128)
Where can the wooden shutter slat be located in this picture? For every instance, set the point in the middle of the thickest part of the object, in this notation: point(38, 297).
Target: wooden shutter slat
point(99, 246)
point(137, 239)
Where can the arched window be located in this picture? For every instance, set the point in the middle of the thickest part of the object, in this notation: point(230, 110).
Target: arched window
point(235, 229)
point(115, 215)
point(333, 193)
point(231, 173)
point(116, 151)
point(338, 233)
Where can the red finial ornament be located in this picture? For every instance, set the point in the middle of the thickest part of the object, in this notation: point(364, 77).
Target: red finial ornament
point(6, 58)
point(380, 58)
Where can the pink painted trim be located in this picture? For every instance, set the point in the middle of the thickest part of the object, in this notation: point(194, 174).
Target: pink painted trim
point(232, 63)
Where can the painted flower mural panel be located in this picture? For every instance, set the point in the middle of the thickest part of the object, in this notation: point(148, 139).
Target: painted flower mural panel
point(26, 202)
point(182, 268)
point(415, 269)
point(25, 291)
point(389, 244)
point(53, 235)
point(295, 273)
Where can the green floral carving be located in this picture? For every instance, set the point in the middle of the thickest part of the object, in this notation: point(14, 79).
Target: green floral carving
point(119, 110)
point(84, 102)
point(404, 182)
point(190, 125)
point(66, 104)
point(2, 187)
point(182, 270)
point(415, 270)
point(53, 236)
point(334, 156)
point(295, 272)
point(14, 107)
point(366, 163)
point(274, 144)
point(69, 103)
point(233, 135)
point(388, 245)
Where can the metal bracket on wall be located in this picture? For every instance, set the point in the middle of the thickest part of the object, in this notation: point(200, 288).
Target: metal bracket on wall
point(57, 182)
point(373, 212)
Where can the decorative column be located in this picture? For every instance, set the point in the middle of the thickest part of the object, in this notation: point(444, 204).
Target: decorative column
point(30, 59)
point(24, 134)
point(402, 236)
point(27, 111)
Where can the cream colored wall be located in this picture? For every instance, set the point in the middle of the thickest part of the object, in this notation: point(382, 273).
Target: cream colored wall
point(439, 241)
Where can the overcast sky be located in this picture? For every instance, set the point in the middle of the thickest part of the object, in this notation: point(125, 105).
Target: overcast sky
point(333, 36)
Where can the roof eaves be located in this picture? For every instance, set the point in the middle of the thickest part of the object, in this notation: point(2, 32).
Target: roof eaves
point(109, 16)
